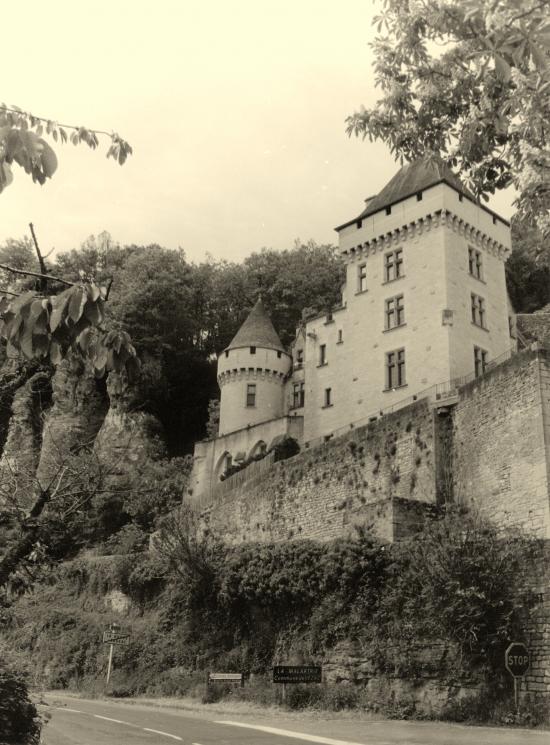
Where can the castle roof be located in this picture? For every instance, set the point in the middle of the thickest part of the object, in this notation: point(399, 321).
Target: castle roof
point(257, 331)
point(409, 180)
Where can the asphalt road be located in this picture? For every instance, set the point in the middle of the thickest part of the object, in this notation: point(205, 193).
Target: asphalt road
point(83, 722)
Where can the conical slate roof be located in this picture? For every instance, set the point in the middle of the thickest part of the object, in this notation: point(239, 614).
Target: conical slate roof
point(410, 179)
point(257, 331)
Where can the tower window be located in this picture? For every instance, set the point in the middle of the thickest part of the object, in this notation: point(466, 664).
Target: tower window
point(279, 354)
point(478, 311)
point(395, 369)
point(388, 210)
point(328, 397)
point(252, 350)
point(299, 359)
point(419, 196)
point(475, 263)
point(340, 336)
point(298, 395)
point(322, 354)
point(227, 352)
point(480, 361)
point(395, 312)
point(393, 265)
point(251, 394)
point(359, 224)
point(361, 278)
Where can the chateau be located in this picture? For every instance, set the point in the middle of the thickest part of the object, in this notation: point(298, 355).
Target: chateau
point(424, 303)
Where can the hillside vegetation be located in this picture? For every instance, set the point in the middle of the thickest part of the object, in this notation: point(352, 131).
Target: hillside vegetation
point(116, 456)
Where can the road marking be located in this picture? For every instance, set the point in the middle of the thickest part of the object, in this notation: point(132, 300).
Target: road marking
point(290, 733)
point(66, 708)
point(116, 721)
point(166, 734)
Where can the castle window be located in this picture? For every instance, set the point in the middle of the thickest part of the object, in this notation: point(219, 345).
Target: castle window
point(252, 350)
point(298, 395)
point(322, 355)
point(299, 363)
point(227, 352)
point(388, 210)
point(475, 263)
point(480, 361)
point(478, 311)
point(279, 354)
point(460, 197)
point(251, 394)
point(361, 278)
point(340, 336)
point(419, 196)
point(395, 369)
point(359, 224)
point(395, 312)
point(393, 265)
point(328, 397)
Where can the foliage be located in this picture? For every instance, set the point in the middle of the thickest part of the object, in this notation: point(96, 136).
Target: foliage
point(528, 268)
point(458, 583)
point(21, 142)
point(213, 422)
point(469, 80)
point(19, 722)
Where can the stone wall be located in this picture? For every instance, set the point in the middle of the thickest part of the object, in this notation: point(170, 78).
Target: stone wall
point(500, 451)
point(381, 475)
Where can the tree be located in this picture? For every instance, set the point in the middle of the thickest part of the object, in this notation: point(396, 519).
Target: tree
point(470, 81)
point(21, 142)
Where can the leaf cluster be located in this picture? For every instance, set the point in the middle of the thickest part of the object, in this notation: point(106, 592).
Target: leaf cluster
point(468, 80)
point(21, 142)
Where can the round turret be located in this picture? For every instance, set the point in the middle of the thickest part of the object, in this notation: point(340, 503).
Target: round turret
point(251, 374)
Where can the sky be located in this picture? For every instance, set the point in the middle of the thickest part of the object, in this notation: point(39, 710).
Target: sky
point(235, 111)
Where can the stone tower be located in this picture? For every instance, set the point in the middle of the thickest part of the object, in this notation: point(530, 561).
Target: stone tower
point(251, 374)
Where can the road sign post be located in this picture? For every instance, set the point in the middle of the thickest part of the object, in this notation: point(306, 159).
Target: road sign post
point(516, 661)
point(111, 637)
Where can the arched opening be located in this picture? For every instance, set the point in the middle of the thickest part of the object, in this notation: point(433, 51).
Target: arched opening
point(258, 451)
point(225, 462)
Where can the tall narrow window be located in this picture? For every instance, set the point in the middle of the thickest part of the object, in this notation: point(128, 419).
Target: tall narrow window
point(478, 311)
point(340, 336)
point(299, 363)
point(251, 394)
point(322, 354)
point(361, 278)
point(394, 312)
point(298, 395)
point(252, 350)
point(480, 361)
point(328, 396)
point(475, 263)
point(395, 369)
point(393, 265)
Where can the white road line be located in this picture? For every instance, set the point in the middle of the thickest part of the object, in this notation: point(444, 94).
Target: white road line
point(159, 732)
point(116, 721)
point(290, 733)
point(66, 708)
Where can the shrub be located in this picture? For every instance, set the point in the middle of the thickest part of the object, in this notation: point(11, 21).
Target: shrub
point(19, 722)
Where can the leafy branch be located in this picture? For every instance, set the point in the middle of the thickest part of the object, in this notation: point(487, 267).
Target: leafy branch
point(21, 142)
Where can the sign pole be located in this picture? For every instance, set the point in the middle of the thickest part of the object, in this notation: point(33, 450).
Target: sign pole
point(516, 694)
point(284, 693)
point(111, 647)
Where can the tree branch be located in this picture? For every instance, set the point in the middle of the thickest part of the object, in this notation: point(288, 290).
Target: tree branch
point(26, 273)
point(41, 263)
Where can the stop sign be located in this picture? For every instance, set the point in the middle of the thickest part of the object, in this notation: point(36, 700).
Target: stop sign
point(516, 659)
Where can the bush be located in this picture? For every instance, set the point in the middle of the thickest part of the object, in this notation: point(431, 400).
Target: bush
point(19, 721)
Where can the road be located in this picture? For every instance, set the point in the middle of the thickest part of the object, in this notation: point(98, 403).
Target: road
point(77, 721)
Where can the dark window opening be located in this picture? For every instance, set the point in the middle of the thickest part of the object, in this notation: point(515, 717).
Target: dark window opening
point(388, 210)
point(298, 395)
point(478, 311)
point(480, 361)
point(359, 224)
point(393, 265)
point(252, 350)
point(279, 354)
point(251, 394)
point(395, 369)
point(362, 278)
point(328, 396)
point(419, 196)
point(395, 312)
point(323, 354)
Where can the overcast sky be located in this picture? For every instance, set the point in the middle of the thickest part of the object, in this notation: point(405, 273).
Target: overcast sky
point(235, 111)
